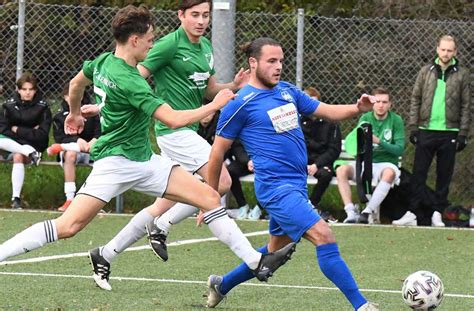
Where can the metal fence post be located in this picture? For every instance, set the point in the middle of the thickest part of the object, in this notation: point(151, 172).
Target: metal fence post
point(299, 48)
point(223, 39)
point(21, 38)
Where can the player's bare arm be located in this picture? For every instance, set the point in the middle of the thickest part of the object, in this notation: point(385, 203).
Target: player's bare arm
point(216, 158)
point(74, 123)
point(342, 112)
point(179, 118)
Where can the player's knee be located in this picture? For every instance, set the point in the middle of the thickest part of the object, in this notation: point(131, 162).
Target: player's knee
point(320, 234)
point(68, 228)
point(70, 157)
point(388, 175)
point(324, 175)
point(342, 172)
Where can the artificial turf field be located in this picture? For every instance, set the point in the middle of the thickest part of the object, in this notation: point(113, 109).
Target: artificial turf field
point(58, 276)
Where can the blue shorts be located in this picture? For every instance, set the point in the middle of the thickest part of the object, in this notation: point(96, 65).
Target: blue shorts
point(291, 213)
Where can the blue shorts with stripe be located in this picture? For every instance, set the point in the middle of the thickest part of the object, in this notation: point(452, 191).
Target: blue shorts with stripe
point(290, 212)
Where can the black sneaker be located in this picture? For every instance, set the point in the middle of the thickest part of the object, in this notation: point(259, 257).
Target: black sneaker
point(35, 157)
point(363, 218)
point(101, 269)
point(270, 262)
point(157, 241)
point(16, 203)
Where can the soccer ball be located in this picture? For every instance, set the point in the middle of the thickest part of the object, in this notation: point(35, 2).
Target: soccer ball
point(423, 290)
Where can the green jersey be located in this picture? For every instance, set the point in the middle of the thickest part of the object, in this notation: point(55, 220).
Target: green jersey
point(181, 70)
point(391, 133)
point(126, 102)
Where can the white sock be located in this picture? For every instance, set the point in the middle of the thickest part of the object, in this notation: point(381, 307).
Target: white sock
point(349, 207)
point(70, 190)
point(18, 176)
point(378, 196)
point(71, 147)
point(29, 239)
point(132, 232)
point(12, 146)
point(175, 215)
point(227, 231)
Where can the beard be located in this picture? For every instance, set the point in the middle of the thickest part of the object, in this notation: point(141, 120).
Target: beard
point(264, 80)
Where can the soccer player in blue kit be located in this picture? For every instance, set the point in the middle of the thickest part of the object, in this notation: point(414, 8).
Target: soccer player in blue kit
point(264, 116)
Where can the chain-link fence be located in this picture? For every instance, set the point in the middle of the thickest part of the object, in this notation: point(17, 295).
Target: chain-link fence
point(342, 57)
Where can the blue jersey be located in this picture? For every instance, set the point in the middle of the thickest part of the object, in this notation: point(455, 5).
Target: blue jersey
point(267, 122)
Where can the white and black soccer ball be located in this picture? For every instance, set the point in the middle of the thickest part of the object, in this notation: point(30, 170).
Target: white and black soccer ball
point(423, 290)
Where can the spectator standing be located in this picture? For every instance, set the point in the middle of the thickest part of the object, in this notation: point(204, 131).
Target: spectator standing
point(388, 145)
point(323, 145)
point(440, 117)
point(26, 119)
point(72, 149)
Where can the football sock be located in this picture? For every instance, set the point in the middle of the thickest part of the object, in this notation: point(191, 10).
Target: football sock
point(175, 215)
point(29, 239)
point(132, 232)
point(335, 269)
point(378, 196)
point(240, 274)
point(18, 176)
point(70, 189)
point(71, 147)
point(12, 146)
point(227, 231)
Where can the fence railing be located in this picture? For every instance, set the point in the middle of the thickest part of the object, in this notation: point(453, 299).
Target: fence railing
point(342, 57)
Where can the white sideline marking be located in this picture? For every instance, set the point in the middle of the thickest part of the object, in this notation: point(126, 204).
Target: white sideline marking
point(130, 249)
point(118, 278)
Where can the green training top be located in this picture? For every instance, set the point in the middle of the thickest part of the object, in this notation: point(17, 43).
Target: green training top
point(127, 102)
point(438, 109)
point(181, 70)
point(391, 133)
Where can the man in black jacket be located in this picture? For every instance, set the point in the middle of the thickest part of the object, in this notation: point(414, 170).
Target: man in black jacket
point(323, 144)
point(26, 119)
point(72, 149)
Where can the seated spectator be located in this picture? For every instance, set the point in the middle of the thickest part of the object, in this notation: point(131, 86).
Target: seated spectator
point(388, 145)
point(26, 120)
point(72, 149)
point(323, 144)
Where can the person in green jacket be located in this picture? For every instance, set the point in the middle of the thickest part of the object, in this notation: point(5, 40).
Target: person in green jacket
point(440, 117)
point(388, 145)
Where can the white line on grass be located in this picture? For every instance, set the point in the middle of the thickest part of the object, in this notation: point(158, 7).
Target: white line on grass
point(137, 248)
point(118, 278)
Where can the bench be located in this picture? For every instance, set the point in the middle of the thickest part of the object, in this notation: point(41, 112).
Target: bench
point(118, 198)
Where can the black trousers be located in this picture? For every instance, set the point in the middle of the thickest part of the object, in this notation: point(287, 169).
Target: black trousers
point(324, 176)
point(441, 144)
point(237, 170)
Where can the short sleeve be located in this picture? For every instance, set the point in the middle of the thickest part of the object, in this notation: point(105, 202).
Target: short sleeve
point(160, 54)
point(231, 120)
point(304, 103)
point(142, 97)
point(88, 69)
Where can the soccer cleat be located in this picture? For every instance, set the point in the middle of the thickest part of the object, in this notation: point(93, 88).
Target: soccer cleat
point(363, 218)
point(65, 205)
point(255, 213)
point(270, 262)
point(54, 149)
point(437, 220)
point(369, 306)
point(243, 212)
point(35, 157)
point(16, 203)
point(409, 219)
point(101, 269)
point(352, 214)
point(214, 297)
point(157, 241)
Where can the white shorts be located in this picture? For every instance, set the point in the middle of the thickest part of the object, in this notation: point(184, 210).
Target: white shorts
point(185, 147)
point(81, 157)
point(114, 175)
point(377, 169)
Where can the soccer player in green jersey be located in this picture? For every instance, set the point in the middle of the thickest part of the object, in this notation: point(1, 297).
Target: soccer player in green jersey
point(389, 143)
point(124, 158)
point(181, 64)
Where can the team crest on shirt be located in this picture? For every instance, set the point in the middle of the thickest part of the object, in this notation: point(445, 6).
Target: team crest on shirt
point(387, 134)
point(286, 96)
point(210, 59)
